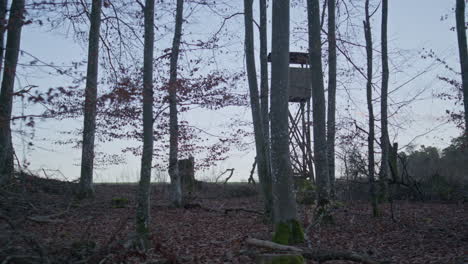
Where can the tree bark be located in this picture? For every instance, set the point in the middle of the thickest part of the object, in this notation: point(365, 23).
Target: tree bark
point(462, 50)
point(385, 144)
point(264, 105)
point(143, 198)
point(176, 186)
point(318, 102)
point(89, 127)
point(283, 197)
point(3, 11)
point(370, 139)
point(331, 130)
point(255, 105)
point(15, 24)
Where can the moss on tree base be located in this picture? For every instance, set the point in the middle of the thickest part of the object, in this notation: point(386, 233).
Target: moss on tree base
point(288, 233)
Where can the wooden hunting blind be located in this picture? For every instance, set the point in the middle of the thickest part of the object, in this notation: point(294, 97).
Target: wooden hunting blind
point(299, 84)
point(299, 78)
point(300, 91)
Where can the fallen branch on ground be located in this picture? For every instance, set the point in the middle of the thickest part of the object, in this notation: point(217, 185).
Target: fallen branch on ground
point(271, 245)
point(314, 254)
point(226, 211)
point(49, 218)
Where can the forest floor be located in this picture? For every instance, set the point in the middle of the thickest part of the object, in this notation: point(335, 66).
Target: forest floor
point(40, 222)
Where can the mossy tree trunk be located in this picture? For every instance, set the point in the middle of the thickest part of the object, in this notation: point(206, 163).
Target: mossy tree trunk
point(287, 228)
point(143, 197)
point(89, 126)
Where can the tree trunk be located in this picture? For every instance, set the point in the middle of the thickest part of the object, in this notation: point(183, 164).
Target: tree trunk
point(384, 116)
point(318, 102)
point(15, 24)
point(264, 105)
point(370, 140)
point(176, 186)
point(462, 50)
point(331, 95)
point(89, 128)
point(3, 23)
point(287, 228)
point(255, 105)
point(143, 199)
point(3, 11)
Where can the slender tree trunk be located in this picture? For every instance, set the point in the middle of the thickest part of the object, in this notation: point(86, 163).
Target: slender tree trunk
point(264, 105)
point(384, 118)
point(285, 215)
point(255, 104)
point(15, 24)
point(331, 95)
point(143, 198)
point(318, 102)
point(462, 50)
point(176, 184)
point(370, 141)
point(3, 24)
point(3, 11)
point(89, 128)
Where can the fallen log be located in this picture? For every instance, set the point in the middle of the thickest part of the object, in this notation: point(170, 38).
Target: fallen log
point(319, 255)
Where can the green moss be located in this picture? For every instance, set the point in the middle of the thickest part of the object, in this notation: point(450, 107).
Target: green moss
point(297, 232)
point(288, 233)
point(281, 235)
point(292, 259)
point(306, 191)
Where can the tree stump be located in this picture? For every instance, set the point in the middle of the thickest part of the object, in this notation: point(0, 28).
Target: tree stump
point(187, 174)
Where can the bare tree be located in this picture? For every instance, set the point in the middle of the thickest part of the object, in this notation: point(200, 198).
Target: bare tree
point(331, 129)
point(264, 104)
point(318, 102)
point(385, 144)
point(462, 50)
point(143, 199)
point(89, 128)
point(255, 105)
point(15, 23)
point(371, 136)
point(287, 228)
point(176, 185)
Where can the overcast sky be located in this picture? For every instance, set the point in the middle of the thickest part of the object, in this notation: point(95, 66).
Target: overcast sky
point(414, 25)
